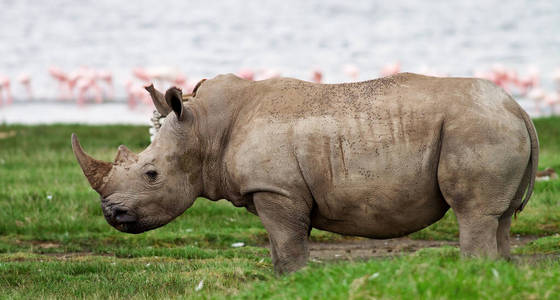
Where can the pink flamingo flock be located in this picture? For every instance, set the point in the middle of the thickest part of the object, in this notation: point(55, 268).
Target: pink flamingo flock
point(90, 85)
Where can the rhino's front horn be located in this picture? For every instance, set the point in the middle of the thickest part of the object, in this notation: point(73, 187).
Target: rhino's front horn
point(95, 170)
point(159, 100)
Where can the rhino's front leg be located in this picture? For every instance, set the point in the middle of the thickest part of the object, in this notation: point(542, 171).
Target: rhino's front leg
point(287, 222)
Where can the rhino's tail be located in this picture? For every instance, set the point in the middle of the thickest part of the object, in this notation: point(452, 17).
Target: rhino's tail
point(528, 181)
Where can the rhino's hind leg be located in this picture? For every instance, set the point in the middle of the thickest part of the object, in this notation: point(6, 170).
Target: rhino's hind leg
point(503, 235)
point(287, 222)
point(480, 183)
point(481, 201)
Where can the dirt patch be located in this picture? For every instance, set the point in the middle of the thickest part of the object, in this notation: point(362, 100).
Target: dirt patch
point(70, 255)
point(48, 245)
point(7, 134)
point(39, 244)
point(354, 249)
point(367, 248)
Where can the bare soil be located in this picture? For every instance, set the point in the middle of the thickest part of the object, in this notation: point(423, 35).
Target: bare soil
point(368, 248)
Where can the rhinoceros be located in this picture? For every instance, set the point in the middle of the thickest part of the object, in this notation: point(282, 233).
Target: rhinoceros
point(378, 159)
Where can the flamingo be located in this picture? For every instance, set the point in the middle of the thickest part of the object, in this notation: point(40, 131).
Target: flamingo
point(390, 69)
point(246, 74)
point(499, 75)
point(107, 78)
point(142, 74)
point(25, 80)
point(527, 83)
point(86, 79)
point(161, 75)
point(5, 86)
point(131, 96)
point(317, 76)
point(63, 83)
point(82, 87)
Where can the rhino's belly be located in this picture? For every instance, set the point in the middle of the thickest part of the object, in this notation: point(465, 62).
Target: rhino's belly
point(381, 203)
point(377, 214)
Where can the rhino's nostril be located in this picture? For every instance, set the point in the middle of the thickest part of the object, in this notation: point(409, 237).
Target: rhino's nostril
point(123, 215)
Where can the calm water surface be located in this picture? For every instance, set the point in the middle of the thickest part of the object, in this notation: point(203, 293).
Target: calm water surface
point(205, 38)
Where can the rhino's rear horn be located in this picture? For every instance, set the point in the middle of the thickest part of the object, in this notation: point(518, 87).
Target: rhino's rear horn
point(159, 100)
point(125, 155)
point(94, 170)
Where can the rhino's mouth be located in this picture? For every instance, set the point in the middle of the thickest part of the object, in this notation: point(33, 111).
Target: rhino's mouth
point(126, 220)
point(135, 227)
point(129, 228)
point(120, 217)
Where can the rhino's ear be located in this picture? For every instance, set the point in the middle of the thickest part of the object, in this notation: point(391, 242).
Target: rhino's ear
point(174, 98)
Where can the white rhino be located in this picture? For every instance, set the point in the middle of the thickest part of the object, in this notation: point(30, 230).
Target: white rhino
point(379, 159)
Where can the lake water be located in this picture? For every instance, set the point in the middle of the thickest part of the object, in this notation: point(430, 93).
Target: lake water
point(205, 38)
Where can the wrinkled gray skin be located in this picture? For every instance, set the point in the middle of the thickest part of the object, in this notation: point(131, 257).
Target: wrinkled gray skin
point(379, 159)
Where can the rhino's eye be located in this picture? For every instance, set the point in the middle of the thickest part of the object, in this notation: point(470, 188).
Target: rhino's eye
point(152, 175)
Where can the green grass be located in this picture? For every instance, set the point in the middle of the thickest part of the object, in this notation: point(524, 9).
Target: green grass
point(542, 246)
point(427, 274)
point(36, 276)
point(48, 211)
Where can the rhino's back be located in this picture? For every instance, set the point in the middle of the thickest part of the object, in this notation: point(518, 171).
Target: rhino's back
point(290, 99)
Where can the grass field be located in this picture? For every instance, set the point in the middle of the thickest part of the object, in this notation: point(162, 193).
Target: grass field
point(54, 241)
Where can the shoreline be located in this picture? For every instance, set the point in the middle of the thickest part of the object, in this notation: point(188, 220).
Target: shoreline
point(37, 112)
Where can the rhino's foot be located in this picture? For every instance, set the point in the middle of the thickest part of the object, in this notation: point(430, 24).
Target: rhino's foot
point(287, 222)
point(477, 235)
